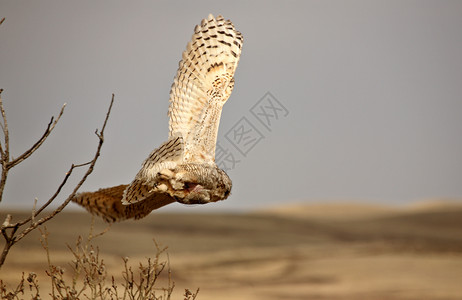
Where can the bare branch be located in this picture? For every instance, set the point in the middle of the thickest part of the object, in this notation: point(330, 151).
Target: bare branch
point(31, 218)
point(24, 156)
point(34, 147)
point(35, 213)
point(34, 210)
point(66, 177)
point(5, 153)
point(9, 242)
point(101, 137)
point(7, 221)
point(12, 238)
point(77, 187)
point(4, 128)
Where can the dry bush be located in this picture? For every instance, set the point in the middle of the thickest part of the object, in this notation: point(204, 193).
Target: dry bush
point(88, 271)
point(13, 232)
point(88, 277)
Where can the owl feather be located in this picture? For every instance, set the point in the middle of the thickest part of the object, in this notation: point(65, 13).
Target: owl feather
point(183, 168)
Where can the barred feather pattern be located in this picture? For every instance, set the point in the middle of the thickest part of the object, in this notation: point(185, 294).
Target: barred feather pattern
point(183, 168)
point(106, 203)
point(203, 83)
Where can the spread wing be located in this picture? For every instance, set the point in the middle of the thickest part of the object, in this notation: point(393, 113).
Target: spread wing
point(179, 168)
point(150, 179)
point(107, 204)
point(203, 83)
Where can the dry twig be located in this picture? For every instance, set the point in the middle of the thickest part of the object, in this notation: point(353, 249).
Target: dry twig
point(89, 275)
point(10, 231)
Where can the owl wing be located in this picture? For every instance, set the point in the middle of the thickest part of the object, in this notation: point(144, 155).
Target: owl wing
point(203, 83)
point(107, 204)
point(145, 192)
point(150, 180)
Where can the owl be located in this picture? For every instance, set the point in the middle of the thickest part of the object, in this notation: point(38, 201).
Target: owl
point(183, 168)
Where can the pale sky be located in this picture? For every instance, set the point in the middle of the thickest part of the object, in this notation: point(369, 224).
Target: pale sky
point(368, 95)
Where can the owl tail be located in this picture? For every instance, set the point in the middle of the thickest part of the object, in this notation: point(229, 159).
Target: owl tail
point(107, 203)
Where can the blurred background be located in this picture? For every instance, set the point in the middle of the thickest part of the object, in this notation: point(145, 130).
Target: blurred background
point(335, 103)
point(345, 100)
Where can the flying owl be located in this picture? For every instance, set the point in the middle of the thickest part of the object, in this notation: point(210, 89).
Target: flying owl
point(183, 168)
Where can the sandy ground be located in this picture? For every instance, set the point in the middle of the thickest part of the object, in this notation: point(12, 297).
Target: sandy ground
point(329, 251)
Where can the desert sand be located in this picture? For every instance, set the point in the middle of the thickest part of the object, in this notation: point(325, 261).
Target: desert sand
point(323, 251)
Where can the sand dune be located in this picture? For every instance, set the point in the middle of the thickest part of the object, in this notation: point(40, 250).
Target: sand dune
point(355, 210)
point(328, 251)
